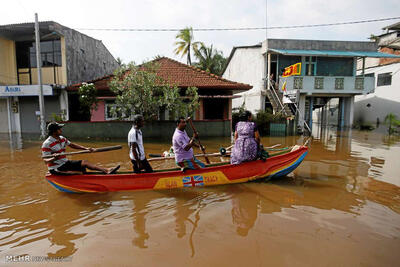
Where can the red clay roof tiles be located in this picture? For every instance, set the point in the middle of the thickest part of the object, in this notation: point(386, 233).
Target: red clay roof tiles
point(181, 75)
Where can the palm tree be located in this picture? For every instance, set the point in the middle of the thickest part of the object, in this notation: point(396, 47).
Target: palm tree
point(391, 119)
point(119, 61)
point(185, 43)
point(210, 59)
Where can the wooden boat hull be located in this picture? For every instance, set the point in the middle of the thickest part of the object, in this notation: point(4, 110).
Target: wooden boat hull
point(272, 167)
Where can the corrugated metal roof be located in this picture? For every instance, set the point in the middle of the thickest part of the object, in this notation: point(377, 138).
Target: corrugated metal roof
point(331, 53)
point(395, 26)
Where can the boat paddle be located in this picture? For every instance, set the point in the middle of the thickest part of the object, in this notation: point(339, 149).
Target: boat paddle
point(101, 149)
point(217, 154)
point(198, 139)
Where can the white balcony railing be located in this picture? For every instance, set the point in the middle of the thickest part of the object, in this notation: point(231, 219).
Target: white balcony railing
point(329, 85)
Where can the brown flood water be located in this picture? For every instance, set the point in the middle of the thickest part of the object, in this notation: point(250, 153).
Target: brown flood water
point(341, 207)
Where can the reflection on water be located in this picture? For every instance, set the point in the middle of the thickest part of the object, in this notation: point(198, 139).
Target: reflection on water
point(244, 210)
point(344, 199)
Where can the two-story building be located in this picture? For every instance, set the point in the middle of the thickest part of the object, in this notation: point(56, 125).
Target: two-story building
point(329, 70)
point(373, 108)
point(67, 57)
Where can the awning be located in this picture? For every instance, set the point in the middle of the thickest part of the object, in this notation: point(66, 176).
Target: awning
point(331, 53)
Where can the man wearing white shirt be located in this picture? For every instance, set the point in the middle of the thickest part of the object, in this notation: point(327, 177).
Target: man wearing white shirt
point(136, 149)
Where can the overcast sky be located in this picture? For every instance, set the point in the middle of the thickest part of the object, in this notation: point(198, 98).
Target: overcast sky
point(140, 46)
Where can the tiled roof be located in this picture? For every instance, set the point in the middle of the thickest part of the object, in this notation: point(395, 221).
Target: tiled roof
point(182, 75)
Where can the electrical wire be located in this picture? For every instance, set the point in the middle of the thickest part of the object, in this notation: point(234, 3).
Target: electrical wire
point(236, 29)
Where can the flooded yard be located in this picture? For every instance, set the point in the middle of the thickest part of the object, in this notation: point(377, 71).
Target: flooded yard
point(340, 207)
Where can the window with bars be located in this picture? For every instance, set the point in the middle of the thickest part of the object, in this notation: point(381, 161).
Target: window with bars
point(339, 83)
point(359, 83)
point(319, 83)
point(384, 79)
point(298, 83)
point(310, 66)
point(109, 115)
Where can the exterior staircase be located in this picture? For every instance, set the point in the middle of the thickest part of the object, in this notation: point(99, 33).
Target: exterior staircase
point(275, 97)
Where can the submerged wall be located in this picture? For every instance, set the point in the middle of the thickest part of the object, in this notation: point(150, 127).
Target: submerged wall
point(158, 129)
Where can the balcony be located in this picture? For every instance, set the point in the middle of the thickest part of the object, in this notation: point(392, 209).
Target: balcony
point(329, 85)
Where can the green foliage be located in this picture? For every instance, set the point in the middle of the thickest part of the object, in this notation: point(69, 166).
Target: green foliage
point(392, 121)
point(210, 59)
point(373, 37)
point(185, 43)
point(236, 112)
point(88, 96)
point(56, 117)
point(139, 90)
point(264, 118)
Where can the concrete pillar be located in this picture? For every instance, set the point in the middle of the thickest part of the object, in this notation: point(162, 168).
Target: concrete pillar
point(201, 108)
point(301, 110)
point(311, 112)
point(230, 109)
point(322, 116)
point(64, 105)
point(14, 122)
point(348, 111)
point(262, 99)
point(9, 115)
point(166, 114)
point(341, 113)
point(326, 112)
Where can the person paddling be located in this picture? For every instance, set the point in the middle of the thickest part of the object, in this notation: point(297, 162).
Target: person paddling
point(183, 150)
point(56, 143)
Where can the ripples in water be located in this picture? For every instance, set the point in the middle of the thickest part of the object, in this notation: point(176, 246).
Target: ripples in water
point(344, 199)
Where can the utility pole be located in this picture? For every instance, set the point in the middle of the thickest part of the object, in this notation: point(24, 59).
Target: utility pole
point(39, 72)
point(268, 57)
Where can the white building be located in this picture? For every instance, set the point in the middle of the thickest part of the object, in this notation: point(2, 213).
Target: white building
point(385, 99)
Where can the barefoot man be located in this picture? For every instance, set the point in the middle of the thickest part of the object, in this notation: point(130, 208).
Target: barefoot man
point(56, 143)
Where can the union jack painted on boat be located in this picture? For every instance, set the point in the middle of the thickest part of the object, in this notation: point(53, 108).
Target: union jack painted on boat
point(192, 181)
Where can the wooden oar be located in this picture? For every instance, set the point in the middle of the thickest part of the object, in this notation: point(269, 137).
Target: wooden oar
point(272, 146)
point(198, 139)
point(197, 155)
point(101, 149)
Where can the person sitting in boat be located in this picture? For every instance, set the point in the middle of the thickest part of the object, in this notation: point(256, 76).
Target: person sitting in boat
point(183, 150)
point(247, 140)
point(56, 143)
point(136, 149)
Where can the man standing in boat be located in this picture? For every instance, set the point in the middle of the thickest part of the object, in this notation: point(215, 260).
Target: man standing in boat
point(136, 149)
point(56, 143)
point(183, 150)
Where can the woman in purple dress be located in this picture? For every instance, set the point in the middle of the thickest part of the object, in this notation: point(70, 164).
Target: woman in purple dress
point(247, 140)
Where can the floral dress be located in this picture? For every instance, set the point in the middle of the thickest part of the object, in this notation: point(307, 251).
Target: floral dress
point(245, 148)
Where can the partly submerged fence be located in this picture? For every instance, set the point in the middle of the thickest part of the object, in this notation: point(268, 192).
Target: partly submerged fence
point(156, 129)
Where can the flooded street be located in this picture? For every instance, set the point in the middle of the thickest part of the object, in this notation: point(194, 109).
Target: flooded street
point(341, 207)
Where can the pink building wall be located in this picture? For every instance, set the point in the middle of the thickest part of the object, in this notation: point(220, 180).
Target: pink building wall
point(99, 114)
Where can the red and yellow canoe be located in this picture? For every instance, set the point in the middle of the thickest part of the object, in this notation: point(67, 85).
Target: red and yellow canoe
point(272, 167)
